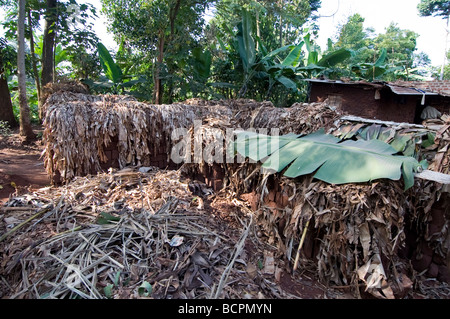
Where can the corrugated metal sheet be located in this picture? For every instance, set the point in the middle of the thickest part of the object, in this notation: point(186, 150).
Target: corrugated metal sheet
point(397, 89)
point(401, 90)
point(377, 85)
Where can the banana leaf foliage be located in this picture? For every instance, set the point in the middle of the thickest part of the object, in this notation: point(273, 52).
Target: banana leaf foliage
point(407, 141)
point(202, 64)
point(331, 159)
point(115, 81)
point(372, 71)
point(297, 65)
point(314, 64)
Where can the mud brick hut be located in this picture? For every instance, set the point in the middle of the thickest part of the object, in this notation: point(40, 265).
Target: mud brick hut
point(395, 101)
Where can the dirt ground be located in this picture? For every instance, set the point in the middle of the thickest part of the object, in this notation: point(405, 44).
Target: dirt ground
point(22, 170)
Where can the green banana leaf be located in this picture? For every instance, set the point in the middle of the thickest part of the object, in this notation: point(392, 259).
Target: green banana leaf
point(334, 58)
point(382, 58)
point(112, 70)
point(404, 141)
point(202, 63)
point(246, 44)
point(293, 56)
point(333, 161)
point(288, 83)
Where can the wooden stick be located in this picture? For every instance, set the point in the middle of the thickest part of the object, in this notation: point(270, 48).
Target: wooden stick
point(388, 123)
point(238, 250)
point(5, 209)
point(39, 213)
point(434, 176)
point(297, 257)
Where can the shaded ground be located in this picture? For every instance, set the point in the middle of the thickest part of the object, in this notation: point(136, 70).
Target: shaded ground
point(20, 166)
point(22, 170)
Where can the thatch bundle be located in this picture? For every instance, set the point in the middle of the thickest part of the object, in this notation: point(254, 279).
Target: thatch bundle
point(366, 233)
point(441, 159)
point(63, 86)
point(354, 233)
point(79, 127)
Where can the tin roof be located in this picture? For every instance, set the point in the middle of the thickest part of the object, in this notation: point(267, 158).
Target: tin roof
point(403, 89)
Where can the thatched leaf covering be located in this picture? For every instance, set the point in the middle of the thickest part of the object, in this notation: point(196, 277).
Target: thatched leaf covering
point(79, 127)
point(357, 234)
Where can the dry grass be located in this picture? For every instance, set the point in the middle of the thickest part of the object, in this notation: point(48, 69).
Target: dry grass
point(118, 230)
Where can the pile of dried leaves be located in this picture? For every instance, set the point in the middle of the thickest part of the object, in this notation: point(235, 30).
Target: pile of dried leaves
point(103, 232)
point(441, 158)
point(130, 234)
point(78, 127)
point(356, 233)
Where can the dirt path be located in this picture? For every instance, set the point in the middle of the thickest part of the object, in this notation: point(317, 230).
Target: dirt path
point(21, 168)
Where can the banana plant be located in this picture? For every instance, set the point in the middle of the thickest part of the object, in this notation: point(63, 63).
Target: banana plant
point(115, 80)
point(329, 158)
point(307, 64)
point(202, 64)
point(112, 70)
point(314, 64)
point(372, 71)
point(254, 63)
point(296, 65)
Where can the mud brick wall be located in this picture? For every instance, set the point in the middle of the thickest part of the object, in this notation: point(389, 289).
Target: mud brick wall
point(112, 154)
point(421, 251)
point(160, 159)
point(360, 101)
point(441, 103)
point(212, 175)
point(436, 86)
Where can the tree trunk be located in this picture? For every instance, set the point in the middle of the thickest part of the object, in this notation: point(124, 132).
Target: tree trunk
point(48, 43)
point(441, 75)
point(173, 12)
point(6, 108)
point(258, 33)
point(34, 63)
point(25, 122)
point(160, 60)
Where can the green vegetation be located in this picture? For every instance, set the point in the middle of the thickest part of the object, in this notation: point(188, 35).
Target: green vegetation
point(333, 160)
point(169, 52)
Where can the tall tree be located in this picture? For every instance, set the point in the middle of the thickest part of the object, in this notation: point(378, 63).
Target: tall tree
point(49, 42)
point(399, 59)
point(25, 122)
point(7, 60)
point(34, 59)
point(352, 35)
point(437, 8)
point(163, 30)
point(400, 45)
